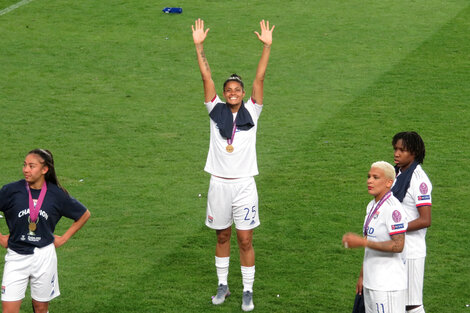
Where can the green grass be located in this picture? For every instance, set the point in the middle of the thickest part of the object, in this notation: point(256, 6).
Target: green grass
point(112, 88)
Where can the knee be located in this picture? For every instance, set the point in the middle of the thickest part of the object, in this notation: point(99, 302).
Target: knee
point(223, 238)
point(40, 307)
point(245, 243)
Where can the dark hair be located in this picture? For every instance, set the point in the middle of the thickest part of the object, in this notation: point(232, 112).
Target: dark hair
point(413, 143)
point(50, 176)
point(234, 78)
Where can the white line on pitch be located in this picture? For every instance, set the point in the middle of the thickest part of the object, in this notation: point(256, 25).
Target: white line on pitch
point(14, 6)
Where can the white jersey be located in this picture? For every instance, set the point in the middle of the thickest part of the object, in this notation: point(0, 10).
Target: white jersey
point(242, 161)
point(385, 271)
point(417, 195)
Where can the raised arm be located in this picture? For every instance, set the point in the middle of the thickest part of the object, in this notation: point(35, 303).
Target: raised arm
point(266, 37)
point(199, 35)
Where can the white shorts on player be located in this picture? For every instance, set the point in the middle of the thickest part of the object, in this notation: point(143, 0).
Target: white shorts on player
point(415, 268)
point(39, 269)
point(232, 200)
point(376, 301)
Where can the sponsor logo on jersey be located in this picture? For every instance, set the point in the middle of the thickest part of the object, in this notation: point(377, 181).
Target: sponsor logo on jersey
point(423, 188)
point(424, 197)
point(398, 226)
point(34, 239)
point(210, 218)
point(396, 215)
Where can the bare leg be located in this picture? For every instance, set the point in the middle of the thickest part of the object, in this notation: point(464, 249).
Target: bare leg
point(222, 249)
point(11, 306)
point(40, 307)
point(245, 244)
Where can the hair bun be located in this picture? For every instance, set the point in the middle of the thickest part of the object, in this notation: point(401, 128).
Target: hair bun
point(235, 76)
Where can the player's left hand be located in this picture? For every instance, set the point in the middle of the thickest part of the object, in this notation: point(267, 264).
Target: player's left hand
point(351, 240)
point(58, 241)
point(266, 36)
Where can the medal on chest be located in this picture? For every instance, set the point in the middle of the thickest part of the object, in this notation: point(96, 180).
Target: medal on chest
point(229, 147)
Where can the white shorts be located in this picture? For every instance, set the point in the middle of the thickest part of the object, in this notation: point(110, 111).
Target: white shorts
point(40, 269)
point(232, 200)
point(415, 269)
point(377, 301)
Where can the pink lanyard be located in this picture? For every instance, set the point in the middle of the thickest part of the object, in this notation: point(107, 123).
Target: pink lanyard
point(229, 141)
point(372, 212)
point(34, 209)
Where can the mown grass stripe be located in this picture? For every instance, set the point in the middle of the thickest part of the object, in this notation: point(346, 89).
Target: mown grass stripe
point(14, 6)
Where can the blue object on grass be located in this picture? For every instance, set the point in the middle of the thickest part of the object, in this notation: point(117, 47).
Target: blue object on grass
point(173, 10)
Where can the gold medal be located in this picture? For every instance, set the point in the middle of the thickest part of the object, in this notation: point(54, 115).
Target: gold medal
point(32, 226)
point(229, 148)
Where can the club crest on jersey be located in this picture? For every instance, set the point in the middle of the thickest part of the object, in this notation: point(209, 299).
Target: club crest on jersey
point(376, 216)
point(210, 218)
point(423, 188)
point(3, 290)
point(396, 215)
point(424, 197)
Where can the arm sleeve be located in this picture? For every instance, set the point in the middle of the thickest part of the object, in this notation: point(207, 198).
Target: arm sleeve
point(211, 104)
point(4, 198)
point(421, 192)
point(396, 221)
point(72, 208)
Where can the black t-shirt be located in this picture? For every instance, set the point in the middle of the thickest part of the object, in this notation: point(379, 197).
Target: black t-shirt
point(14, 203)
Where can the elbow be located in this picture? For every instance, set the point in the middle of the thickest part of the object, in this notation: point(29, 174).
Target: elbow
point(426, 223)
point(398, 248)
point(86, 215)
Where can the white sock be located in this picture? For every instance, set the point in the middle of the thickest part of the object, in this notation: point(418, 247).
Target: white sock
point(248, 276)
point(419, 309)
point(222, 265)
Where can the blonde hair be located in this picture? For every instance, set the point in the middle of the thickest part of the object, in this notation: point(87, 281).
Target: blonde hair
point(388, 169)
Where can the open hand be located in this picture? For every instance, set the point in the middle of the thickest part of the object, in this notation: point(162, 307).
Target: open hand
point(266, 36)
point(199, 34)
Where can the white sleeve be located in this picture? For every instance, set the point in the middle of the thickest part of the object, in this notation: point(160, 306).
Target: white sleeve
point(420, 190)
point(254, 107)
point(211, 104)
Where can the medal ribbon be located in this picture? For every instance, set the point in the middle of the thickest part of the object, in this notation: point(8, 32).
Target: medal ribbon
point(34, 209)
point(230, 140)
point(372, 212)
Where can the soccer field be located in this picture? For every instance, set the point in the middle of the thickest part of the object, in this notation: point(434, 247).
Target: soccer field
point(113, 89)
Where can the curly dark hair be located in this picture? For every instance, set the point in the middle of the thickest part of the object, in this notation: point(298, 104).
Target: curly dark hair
point(412, 142)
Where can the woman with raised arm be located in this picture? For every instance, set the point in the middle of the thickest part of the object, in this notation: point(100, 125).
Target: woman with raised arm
point(231, 161)
point(32, 207)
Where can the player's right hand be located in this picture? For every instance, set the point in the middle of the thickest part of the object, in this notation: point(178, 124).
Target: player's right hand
point(199, 34)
